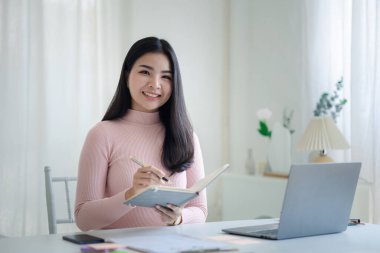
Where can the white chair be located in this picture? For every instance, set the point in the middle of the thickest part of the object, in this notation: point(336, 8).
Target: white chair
point(50, 204)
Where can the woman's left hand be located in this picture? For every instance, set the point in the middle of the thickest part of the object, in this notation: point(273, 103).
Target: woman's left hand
point(170, 214)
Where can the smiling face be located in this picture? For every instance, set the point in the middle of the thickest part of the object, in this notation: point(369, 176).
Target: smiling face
point(150, 82)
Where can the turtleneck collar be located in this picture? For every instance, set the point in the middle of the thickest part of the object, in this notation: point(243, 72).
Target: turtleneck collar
point(146, 118)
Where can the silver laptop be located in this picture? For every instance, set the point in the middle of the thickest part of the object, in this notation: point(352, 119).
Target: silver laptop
point(318, 200)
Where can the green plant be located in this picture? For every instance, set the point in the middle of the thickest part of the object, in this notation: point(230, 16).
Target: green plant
point(287, 120)
point(264, 115)
point(264, 129)
point(331, 105)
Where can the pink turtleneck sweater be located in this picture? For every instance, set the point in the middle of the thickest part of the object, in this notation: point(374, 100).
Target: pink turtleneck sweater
point(105, 173)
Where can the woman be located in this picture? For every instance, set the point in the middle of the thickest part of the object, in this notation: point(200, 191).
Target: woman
point(147, 119)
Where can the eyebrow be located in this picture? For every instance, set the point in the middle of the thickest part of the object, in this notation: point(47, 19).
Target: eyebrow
point(151, 68)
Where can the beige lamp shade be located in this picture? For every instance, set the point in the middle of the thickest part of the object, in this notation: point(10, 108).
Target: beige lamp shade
point(322, 134)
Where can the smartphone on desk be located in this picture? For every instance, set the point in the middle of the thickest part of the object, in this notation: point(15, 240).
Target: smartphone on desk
point(82, 239)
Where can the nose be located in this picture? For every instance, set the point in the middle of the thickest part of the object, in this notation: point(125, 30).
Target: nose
point(154, 82)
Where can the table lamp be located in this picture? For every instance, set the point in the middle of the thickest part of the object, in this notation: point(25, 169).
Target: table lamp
point(322, 134)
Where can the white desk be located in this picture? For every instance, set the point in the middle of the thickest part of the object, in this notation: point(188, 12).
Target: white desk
point(360, 238)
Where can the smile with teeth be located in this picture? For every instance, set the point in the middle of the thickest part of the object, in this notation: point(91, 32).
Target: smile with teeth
point(152, 95)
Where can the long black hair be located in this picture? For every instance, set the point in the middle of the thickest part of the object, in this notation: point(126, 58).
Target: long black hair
point(178, 147)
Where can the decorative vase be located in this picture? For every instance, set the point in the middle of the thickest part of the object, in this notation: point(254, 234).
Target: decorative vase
point(279, 156)
point(250, 163)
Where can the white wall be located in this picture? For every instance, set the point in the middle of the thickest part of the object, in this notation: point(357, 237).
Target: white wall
point(265, 64)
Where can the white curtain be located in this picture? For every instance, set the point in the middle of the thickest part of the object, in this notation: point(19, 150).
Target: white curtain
point(365, 79)
point(326, 51)
point(342, 39)
point(56, 81)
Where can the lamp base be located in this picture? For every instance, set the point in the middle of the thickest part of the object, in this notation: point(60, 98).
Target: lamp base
point(322, 159)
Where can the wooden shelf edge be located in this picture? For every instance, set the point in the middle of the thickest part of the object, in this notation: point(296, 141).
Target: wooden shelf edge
point(275, 174)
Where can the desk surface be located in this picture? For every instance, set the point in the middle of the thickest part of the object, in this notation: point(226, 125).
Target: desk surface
point(360, 238)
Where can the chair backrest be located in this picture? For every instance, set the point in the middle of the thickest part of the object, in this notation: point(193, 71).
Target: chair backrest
point(50, 203)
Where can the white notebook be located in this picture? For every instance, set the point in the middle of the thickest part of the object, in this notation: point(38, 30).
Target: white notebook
point(163, 195)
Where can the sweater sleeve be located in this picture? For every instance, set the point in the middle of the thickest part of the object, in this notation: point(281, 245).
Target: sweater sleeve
point(93, 210)
point(195, 211)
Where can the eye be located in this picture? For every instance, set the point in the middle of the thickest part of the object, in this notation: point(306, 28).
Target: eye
point(144, 72)
point(167, 77)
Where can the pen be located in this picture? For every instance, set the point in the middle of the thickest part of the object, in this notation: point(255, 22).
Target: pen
point(134, 159)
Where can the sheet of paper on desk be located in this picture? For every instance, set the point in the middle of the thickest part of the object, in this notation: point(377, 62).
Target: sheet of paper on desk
point(170, 243)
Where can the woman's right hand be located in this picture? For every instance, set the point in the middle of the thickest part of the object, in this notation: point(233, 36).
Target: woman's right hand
point(144, 177)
